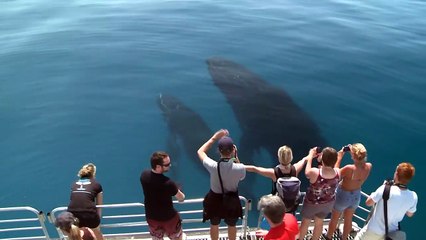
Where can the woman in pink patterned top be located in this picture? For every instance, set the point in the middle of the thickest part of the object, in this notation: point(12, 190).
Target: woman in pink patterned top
point(321, 194)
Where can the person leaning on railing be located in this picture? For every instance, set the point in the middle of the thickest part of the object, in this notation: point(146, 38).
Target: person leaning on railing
point(401, 202)
point(68, 224)
point(86, 193)
point(158, 189)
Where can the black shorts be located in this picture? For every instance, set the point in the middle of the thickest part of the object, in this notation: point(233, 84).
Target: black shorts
point(215, 209)
point(88, 219)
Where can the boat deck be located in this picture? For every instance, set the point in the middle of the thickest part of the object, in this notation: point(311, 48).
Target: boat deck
point(127, 221)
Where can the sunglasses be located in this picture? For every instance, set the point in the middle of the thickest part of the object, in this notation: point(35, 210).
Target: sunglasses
point(167, 165)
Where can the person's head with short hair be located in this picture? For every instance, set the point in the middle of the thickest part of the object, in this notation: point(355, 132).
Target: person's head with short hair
point(273, 208)
point(68, 224)
point(160, 161)
point(329, 157)
point(87, 171)
point(404, 172)
point(358, 152)
point(225, 146)
point(285, 155)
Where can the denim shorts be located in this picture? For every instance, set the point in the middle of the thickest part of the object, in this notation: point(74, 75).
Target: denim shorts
point(347, 199)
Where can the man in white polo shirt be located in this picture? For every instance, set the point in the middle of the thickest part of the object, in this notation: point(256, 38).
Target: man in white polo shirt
point(402, 201)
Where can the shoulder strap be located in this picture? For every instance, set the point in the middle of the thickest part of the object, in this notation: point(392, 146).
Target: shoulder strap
point(277, 172)
point(293, 171)
point(386, 193)
point(218, 173)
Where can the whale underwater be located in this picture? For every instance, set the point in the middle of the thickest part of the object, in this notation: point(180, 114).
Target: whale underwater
point(267, 115)
point(185, 126)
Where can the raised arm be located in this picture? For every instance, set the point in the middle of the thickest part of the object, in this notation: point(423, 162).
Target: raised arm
point(339, 158)
point(300, 164)
point(266, 172)
point(202, 151)
point(309, 158)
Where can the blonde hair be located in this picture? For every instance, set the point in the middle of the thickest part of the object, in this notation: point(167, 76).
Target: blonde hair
point(359, 152)
point(88, 170)
point(74, 233)
point(285, 155)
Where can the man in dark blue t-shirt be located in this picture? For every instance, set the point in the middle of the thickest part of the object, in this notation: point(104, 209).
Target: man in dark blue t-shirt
point(158, 189)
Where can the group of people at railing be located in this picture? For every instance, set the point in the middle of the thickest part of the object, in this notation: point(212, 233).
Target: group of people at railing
point(332, 189)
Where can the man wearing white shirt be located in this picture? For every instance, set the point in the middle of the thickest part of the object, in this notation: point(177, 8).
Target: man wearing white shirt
point(215, 207)
point(401, 202)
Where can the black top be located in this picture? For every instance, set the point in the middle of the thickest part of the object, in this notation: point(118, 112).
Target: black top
point(83, 195)
point(158, 190)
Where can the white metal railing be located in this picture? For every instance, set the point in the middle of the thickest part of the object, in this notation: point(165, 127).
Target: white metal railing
point(121, 220)
point(115, 217)
point(22, 226)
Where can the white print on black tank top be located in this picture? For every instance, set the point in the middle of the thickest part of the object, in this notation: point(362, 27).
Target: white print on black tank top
point(82, 183)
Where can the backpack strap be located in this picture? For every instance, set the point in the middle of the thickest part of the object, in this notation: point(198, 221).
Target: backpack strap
point(218, 173)
point(277, 173)
point(385, 197)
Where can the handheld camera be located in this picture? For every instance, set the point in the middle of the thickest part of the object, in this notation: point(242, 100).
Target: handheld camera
point(346, 148)
point(319, 149)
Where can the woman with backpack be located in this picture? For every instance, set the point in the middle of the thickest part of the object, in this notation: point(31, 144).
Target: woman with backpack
point(283, 170)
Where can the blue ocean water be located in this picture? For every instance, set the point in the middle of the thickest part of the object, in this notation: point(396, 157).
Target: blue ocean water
point(79, 81)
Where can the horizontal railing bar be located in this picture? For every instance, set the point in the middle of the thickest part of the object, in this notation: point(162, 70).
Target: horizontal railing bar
point(20, 229)
point(20, 220)
point(123, 216)
point(25, 238)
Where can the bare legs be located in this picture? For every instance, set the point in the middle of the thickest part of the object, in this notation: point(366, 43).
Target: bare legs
point(214, 232)
point(317, 228)
point(347, 226)
point(347, 215)
point(332, 225)
point(304, 228)
point(232, 232)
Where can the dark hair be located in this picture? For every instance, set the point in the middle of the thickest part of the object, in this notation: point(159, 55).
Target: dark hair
point(157, 158)
point(329, 156)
